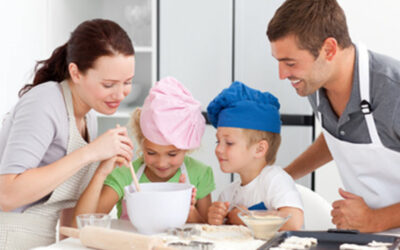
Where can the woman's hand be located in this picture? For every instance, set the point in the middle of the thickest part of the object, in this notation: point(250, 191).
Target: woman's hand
point(217, 212)
point(114, 142)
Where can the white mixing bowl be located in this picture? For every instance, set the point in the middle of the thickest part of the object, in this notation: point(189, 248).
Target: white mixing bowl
point(158, 206)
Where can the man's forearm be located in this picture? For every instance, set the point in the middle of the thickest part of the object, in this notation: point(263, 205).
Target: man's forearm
point(387, 218)
point(315, 156)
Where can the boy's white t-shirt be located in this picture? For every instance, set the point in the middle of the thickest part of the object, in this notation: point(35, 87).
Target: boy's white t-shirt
point(273, 186)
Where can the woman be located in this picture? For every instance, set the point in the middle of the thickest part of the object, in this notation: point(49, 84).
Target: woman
point(48, 150)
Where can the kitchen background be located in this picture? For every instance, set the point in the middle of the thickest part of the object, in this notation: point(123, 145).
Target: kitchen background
point(204, 43)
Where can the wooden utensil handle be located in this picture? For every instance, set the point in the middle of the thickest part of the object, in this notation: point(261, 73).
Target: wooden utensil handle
point(70, 232)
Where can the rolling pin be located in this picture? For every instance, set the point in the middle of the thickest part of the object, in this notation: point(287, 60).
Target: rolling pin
point(110, 239)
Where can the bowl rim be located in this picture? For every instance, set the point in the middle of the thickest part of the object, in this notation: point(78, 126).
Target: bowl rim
point(278, 216)
point(186, 187)
point(87, 216)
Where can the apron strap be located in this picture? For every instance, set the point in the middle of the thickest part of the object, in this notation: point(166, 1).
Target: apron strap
point(68, 99)
point(363, 69)
point(317, 102)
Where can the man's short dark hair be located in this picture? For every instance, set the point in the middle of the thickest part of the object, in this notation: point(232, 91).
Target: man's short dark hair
point(311, 22)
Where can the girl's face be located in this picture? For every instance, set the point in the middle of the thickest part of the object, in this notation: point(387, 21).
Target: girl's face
point(232, 150)
point(162, 162)
point(104, 86)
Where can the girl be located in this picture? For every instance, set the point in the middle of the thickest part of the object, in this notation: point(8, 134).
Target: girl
point(168, 125)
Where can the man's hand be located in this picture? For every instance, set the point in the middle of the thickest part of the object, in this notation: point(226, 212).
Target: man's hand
point(352, 213)
point(217, 212)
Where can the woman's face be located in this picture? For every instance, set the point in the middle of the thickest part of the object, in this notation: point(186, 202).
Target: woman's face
point(104, 86)
point(161, 161)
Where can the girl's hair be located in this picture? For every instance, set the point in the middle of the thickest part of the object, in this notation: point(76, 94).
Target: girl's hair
point(89, 41)
point(273, 139)
point(134, 125)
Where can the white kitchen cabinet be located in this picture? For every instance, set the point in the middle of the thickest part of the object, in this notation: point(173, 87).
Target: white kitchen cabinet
point(196, 45)
point(196, 48)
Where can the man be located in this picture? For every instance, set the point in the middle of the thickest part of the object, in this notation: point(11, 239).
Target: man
point(356, 95)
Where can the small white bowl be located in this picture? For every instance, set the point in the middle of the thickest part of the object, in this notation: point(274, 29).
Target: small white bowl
point(99, 220)
point(158, 206)
point(264, 223)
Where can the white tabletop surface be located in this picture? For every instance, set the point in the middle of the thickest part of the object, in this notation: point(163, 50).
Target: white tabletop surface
point(125, 225)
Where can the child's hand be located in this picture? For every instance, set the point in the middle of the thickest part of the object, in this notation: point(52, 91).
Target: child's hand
point(193, 201)
point(217, 212)
point(233, 217)
point(107, 166)
point(182, 179)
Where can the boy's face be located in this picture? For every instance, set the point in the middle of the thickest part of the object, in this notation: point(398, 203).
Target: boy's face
point(305, 72)
point(162, 161)
point(232, 149)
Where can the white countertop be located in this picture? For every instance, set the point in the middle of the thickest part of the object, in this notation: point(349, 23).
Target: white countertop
point(125, 225)
point(231, 243)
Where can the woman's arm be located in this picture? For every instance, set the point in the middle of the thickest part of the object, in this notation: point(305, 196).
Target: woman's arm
point(296, 219)
point(17, 190)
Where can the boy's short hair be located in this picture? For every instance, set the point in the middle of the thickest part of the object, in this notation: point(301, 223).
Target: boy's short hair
point(312, 22)
point(273, 139)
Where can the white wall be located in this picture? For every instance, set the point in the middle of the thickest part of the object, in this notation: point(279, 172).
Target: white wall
point(375, 23)
point(23, 26)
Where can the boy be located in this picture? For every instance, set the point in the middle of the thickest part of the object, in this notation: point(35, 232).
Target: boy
point(248, 137)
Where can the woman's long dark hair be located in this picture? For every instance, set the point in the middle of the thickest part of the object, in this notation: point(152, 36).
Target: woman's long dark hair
point(89, 41)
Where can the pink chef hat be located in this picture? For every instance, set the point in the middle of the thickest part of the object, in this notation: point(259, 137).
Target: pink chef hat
point(171, 116)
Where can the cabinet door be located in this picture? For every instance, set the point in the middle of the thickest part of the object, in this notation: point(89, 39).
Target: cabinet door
point(196, 45)
point(196, 48)
point(254, 64)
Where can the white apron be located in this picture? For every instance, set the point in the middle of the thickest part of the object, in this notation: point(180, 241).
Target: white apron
point(124, 212)
point(371, 171)
point(36, 226)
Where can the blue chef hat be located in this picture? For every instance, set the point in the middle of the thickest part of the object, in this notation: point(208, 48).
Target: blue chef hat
point(240, 106)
